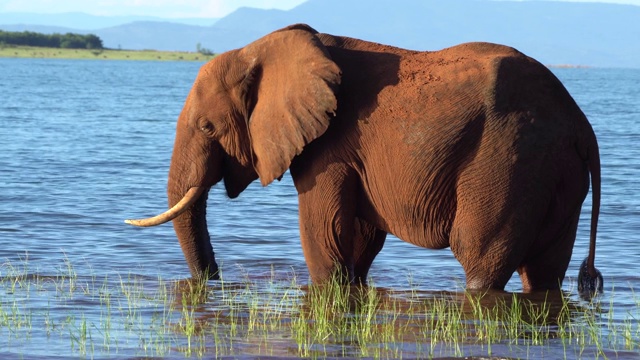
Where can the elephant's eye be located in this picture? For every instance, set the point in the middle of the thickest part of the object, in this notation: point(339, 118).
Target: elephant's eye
point(207, 128)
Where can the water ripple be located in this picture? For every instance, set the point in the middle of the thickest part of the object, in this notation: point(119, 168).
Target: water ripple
point(86, 146)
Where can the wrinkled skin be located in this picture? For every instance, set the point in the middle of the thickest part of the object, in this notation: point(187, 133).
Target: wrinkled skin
point(476, 147)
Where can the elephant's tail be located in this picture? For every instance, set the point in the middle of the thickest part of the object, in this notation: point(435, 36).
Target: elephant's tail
point(593, 154)
point(589, 278)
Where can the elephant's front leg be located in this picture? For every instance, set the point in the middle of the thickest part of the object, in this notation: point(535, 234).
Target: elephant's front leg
point(327, 217)
point(368, 241)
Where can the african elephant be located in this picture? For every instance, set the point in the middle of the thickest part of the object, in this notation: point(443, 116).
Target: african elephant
point(476, 147)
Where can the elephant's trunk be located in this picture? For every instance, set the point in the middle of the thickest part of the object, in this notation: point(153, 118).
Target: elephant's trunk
point(191, 230)
point(191, 169)
point(188, 213)
point(196, 165)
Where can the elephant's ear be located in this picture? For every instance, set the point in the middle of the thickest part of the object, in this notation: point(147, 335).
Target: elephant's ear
point(292, 92)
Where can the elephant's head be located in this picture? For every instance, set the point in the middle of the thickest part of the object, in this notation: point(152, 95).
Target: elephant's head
point(249, 112)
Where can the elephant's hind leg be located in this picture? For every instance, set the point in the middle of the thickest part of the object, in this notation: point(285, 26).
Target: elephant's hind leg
point(546, 262)
point(491, 234)
point(489, 248)
point(545, 270)
point(489, 265)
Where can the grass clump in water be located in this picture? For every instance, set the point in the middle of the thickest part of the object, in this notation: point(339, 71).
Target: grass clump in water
point(275, 315)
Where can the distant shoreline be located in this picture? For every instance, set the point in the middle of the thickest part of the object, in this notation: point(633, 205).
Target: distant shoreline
point(568, 66)
point(8, 51)
point(35, 52)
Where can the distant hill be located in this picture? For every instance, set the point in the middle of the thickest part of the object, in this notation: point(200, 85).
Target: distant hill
point(154, 35)
point(78, 20)
point(591, 34)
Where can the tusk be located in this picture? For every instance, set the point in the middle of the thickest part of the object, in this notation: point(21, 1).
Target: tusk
point(189, 198)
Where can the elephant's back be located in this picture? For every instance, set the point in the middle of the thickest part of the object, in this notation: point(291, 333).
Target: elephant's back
point(515, 96)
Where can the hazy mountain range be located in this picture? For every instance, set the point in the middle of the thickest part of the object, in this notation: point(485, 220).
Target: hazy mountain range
point(592, 34)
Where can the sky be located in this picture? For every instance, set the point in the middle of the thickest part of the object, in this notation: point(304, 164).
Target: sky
point(168, 8)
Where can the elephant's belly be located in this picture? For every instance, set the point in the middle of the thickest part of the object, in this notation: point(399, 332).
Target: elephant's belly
point(411, 223)
point(429, 237)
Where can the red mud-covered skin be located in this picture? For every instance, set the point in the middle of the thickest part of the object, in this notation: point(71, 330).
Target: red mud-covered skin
point(476, 147)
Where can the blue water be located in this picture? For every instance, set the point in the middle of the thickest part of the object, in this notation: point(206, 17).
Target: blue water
point(87, 144)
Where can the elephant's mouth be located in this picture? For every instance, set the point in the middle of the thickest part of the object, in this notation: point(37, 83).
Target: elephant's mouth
point(181, 206)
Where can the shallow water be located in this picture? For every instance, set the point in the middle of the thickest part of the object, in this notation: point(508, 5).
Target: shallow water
point(86, 144)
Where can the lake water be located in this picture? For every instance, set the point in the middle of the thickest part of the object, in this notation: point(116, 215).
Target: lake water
point(87, 144)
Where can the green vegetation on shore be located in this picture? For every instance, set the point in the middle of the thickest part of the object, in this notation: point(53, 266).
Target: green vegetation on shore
point(8, 51)
point(64, 41)
point(28, 44)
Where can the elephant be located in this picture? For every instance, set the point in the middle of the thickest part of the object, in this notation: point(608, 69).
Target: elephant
point(476, 147)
